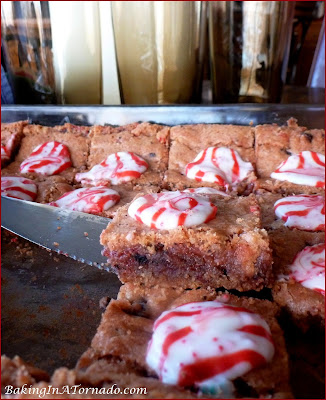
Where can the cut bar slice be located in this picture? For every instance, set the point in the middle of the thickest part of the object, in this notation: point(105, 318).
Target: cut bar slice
point(304, 304)
point(74, 137)
point(187, 141)
point(149, 141)
point(230, 250)
point(275, 144)
point(11, 136)
point(126, 330)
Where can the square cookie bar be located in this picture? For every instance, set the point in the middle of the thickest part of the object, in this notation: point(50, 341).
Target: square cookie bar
point(187, 141)
point(149, 141)
point(229, 251)
point(72, 136)
point(298, 212)
point(275, 144)
point(304, 303)
point(287, 242)
point(11, 136)
point(126, 330)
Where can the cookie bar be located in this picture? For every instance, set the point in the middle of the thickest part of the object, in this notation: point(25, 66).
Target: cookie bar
point(42, 191)
point(302, 227)
point(74, 140)
point(126, 331)
point(70, 142)
point(275, 144)
point(11, 136)
point(226, 247)
point(145, 140)
point(236, 145)
point(306, 303)
point(303, 212)
point(100, 379)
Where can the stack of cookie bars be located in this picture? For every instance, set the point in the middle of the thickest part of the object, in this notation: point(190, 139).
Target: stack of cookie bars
point(236, 258)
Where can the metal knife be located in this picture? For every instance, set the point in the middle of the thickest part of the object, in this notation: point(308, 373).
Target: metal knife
point(71, 233)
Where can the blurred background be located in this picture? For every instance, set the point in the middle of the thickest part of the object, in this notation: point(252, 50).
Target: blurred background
point(162, 52)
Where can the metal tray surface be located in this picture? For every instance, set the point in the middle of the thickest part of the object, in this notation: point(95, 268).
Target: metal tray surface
point(51, 304)
point(312, 116)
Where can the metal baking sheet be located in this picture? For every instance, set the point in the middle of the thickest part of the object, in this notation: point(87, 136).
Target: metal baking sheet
point(50, 303)
point(312, 116)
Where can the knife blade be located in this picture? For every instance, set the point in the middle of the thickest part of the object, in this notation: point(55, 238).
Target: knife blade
point(74, 234)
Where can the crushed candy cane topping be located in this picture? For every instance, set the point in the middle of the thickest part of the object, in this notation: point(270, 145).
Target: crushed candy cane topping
point(208, 344)
point(88, 200)
point(308, 268)
point(219, 165)
point(19, 188)
point(49, 158)
point(117, 168)
point(302, 212)
point(168, 210)
point(305, 168)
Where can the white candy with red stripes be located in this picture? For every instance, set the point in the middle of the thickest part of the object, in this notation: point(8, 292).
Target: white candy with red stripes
point(305, 168)
point(219, 165)
point(49, 158)
point(5, 155)
point(208, 344)
point(206, 190)
point(308, 268)
point(10, 143)
point(302, 212)
point(168, 210)
point(93, 200)
point(6, 150)
point(117, 168)
point(19, 188)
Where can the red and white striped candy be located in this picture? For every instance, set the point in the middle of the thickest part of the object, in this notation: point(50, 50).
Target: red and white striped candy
point(208, 344)
point(305, 168)
point(10, 143)
point(117, 168)
point(302, 212)
point(206, 190)
point(308, 268)
point(49, 158)
point(218, 165)
point(168, 210)
point(19, 188)
point(88, 200)
point(5, 154)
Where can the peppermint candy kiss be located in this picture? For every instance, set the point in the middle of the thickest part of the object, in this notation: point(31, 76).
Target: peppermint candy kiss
point(221, 165)
point(5, 155)
point(302, 212)
point(168, 210)
point(49, 158)
point(305, 168)
point(308, 268)
point(19, 188)
point(208, 344)
point(88, 200)
point(117, 168)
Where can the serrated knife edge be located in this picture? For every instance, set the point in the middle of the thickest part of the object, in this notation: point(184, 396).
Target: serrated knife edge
point(71, 233)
